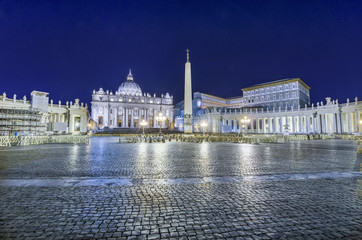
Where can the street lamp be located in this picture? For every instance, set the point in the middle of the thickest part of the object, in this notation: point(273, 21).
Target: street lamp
point(203, 125)
point(143, 123)
point(160, 118)
point(245, 121)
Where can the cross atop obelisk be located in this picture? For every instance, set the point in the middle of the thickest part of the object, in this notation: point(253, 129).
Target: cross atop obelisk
point(188, 96)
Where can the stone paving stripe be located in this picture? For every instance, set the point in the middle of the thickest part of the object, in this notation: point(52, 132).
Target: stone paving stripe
point(78, 182)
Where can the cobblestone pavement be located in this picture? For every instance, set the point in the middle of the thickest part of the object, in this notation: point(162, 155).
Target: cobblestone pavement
point(106, 190)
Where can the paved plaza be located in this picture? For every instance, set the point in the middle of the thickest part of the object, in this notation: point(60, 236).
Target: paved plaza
point(107, 190)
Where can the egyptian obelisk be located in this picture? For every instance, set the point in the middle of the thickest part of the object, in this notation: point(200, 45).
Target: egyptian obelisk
point(188, 96)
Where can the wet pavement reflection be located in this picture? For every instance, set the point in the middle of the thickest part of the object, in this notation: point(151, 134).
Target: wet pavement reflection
point(104, 157)
point(107, 190)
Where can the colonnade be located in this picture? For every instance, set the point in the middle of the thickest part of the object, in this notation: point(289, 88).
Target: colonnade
point(333, 118)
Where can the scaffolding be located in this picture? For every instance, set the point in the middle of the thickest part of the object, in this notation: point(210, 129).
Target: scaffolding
point(21, 122)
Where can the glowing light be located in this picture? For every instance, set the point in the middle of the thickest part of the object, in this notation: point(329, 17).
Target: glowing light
point(160, 118)
point(143, 123)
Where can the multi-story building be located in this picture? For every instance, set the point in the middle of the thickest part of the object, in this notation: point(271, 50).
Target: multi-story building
point(274, 107)
point(128, 106)
point(286, 93)
point(39, 116)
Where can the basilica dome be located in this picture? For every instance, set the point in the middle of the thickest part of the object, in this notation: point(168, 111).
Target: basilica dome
point(129, 87)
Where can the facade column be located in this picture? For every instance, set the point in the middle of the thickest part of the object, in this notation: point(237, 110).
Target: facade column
point(293, 125)
point(164, 122)
point(280, 125)
point(154, 118)
point(126, 117)
point(270, 125)
point(123, 117)
point(132, 118)
point(115, 117)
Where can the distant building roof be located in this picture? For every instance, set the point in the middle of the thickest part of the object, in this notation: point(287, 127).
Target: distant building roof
point(276, 82)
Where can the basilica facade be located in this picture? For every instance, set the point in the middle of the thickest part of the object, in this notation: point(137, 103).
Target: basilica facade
point(128, 106)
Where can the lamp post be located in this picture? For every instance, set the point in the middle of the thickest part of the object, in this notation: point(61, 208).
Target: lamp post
point(245, 121)
point(143, 123)
point(159, 119)
point(203, 125)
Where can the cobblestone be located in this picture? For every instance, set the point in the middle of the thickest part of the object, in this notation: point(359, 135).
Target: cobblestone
point(246, 192)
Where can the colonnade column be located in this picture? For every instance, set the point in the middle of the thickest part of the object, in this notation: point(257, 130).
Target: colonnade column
point(358, 119)
point(300, 124)
point(307, 124)
point(334, 122)
point(315, 124)
point(71, 123)
point(349, 122)
point(319, 123)
point(338, 115)
point(323, 130)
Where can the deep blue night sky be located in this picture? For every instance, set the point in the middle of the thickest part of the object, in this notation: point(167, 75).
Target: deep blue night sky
point(69, 48)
